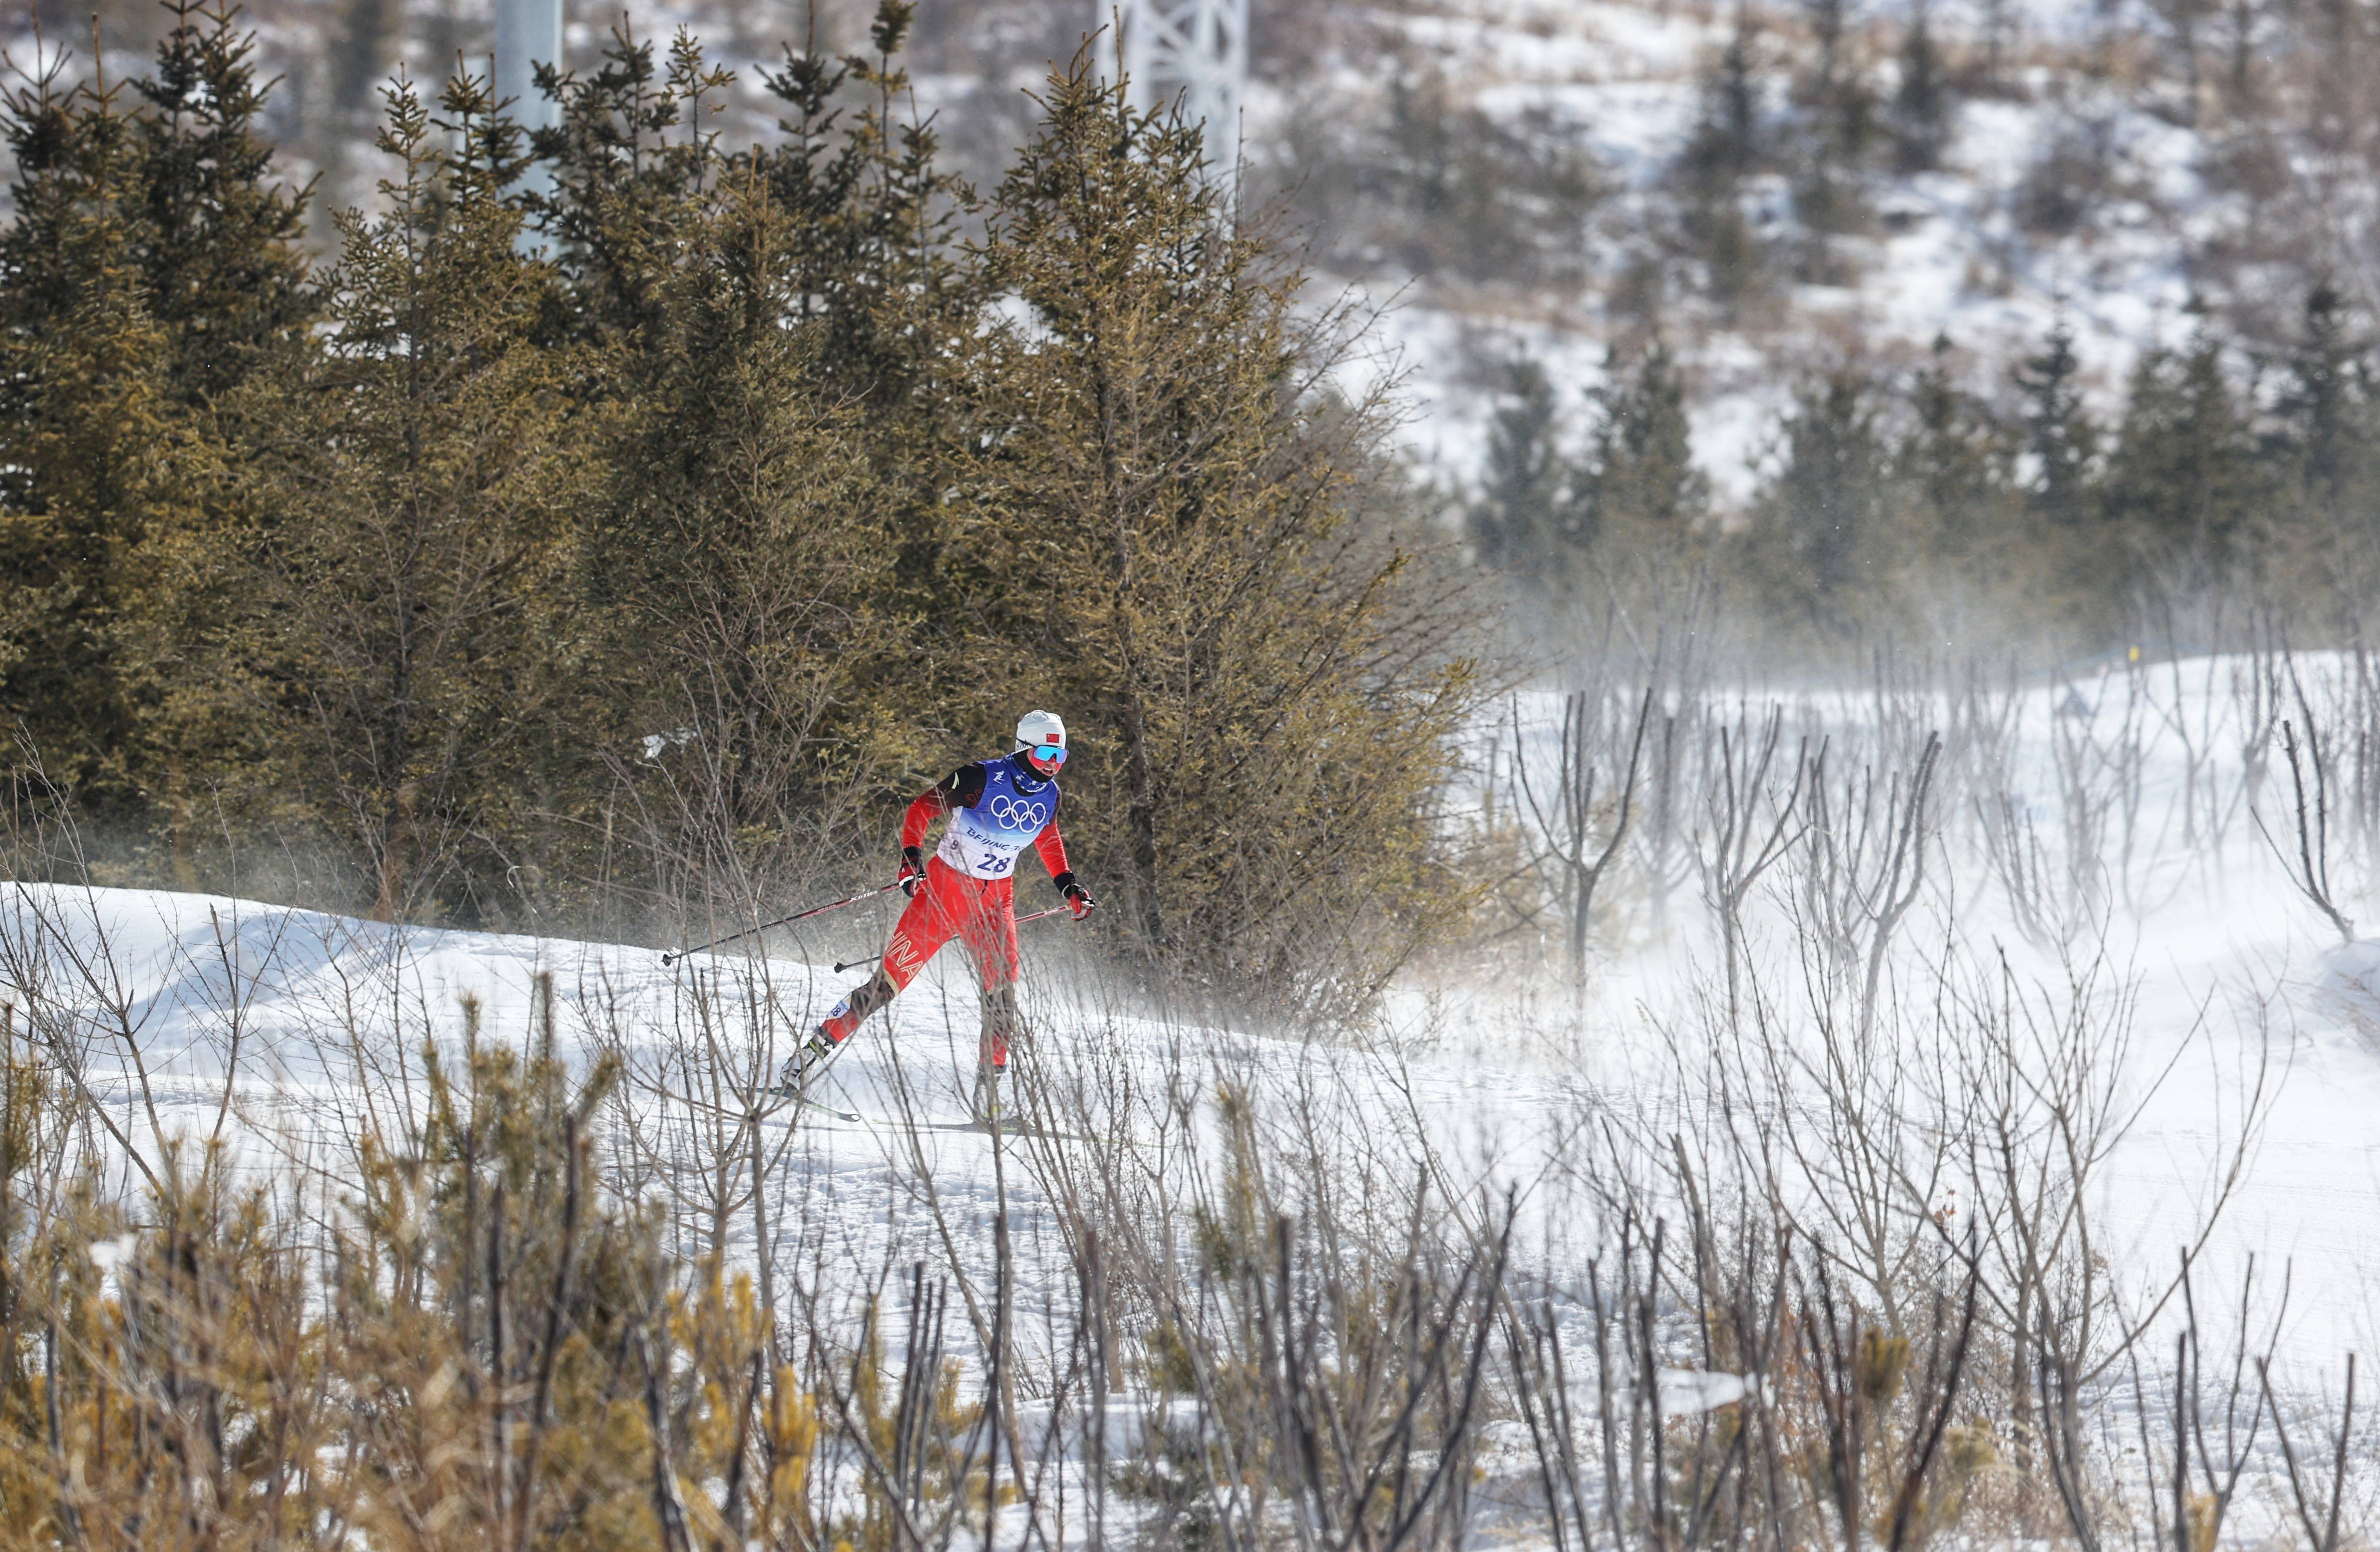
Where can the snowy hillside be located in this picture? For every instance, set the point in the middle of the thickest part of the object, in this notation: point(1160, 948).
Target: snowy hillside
point(2153, 908)
point(1829, 953)
point(2065, 166)
point(1533, 177)
point(2029, 985)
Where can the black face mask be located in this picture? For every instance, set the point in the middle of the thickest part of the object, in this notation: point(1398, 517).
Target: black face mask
point(1024, 763)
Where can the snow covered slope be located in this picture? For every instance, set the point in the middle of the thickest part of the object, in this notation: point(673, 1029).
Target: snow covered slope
point(1515, 176)
point(2075, 176)
point(2116, 846)
point(2225, 1011)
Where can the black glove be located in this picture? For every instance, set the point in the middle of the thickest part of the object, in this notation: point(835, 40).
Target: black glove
point(1076, 895)
point(912, 870)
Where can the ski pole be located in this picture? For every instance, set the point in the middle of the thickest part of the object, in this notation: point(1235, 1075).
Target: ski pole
point(1054, 910)
point(668, 959)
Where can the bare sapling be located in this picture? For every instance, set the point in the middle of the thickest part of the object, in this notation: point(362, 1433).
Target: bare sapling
point(1907, 707)
point(2257, 705)
point(2318, 1515)
point(68, 971)
point(1857, 1371)
point(2044, 1091)
point(2189, 709)
point(2119, 752)
point(2054, 899)
point(2362, 756)
point(1593, 791)
point(1982, 730)
point(1665, 856)
point(2308, 863)
point(1862, 867)
point(2088, 797)
point(2218, 1428)
point(1751, 828)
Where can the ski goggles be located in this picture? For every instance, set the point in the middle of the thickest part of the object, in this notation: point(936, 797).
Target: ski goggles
point(1048, 754)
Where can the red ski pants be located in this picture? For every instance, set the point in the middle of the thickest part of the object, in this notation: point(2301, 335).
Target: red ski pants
point(979, 912)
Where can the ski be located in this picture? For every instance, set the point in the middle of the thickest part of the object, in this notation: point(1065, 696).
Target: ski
point(824, 1109)
point(769, 1101)
point(909, 1124)
point(781, 1099)
point(981, 1129)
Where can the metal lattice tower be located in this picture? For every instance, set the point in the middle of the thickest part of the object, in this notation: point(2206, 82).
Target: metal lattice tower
point(1197, 51)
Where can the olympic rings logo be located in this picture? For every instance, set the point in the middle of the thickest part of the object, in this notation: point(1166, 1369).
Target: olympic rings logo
point(1008, 814)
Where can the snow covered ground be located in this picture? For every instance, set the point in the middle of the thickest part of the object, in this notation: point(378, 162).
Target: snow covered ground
point(1948, 253)
point(2192, 1016)
point(2251, 1027)
point(2254, 1032)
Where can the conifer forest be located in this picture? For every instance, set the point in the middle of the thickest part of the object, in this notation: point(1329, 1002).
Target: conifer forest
point(1721, 739)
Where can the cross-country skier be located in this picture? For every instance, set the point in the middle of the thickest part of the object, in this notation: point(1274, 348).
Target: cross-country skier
point(997, 807)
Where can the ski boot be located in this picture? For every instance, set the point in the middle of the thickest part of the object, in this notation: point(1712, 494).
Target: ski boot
point(988, 1110)
point(802, 1068)
point(999, 1025)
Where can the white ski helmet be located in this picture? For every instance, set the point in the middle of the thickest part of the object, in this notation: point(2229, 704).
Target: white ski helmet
point(1041, 730)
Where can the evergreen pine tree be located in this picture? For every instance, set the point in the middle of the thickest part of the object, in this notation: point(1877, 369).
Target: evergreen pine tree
point(88, 425)
point(412, 483)
point(1832, 144)
point(2184, 477)
point(632, 160)
point(1519, 522)
point(219, 249)
point(220, 245)
point(874, 221)
point(1820, 531)
point(1921, 104)
point(1949, 459)
point(2060, 438)
point(2325, 408)
point(880, 268)
point(1728, 144)
point(1953, 483)
point(739, 555)
point(1726, 140)
point(152, 263)
point(1643, 470)
point(757, 560)
point(1264, 710)
point(2325, 423)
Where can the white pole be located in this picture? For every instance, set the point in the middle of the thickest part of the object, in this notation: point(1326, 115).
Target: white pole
point(528, 33)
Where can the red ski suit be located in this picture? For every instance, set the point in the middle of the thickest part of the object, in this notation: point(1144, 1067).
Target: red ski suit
point(978, 912)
